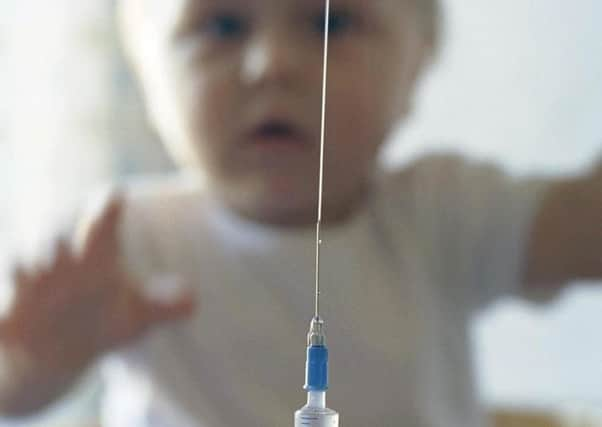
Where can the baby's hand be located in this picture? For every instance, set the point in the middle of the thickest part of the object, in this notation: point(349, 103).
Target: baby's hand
point(66, 315)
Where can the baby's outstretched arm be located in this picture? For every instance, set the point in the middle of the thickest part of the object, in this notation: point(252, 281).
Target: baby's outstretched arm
point(566, 239)
point(68, 314)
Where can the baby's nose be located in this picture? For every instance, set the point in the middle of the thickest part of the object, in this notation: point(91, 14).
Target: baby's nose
point(271, 57)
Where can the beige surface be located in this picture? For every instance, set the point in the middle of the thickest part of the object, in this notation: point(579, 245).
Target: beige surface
point(509, 418)
point(515, 419)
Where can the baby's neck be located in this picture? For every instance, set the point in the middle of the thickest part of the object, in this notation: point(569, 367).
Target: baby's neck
point(306, 218)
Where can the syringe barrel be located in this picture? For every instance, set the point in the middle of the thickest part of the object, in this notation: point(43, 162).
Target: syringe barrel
point(316, 417)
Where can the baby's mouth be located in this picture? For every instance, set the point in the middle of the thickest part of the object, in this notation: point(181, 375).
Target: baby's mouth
point(277, 132)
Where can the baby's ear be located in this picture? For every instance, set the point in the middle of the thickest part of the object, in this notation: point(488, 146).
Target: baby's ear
point(417, 62)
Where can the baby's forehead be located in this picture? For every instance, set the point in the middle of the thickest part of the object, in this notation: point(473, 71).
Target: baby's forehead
point(165, 16)
point(289, 2)
point(279, 4)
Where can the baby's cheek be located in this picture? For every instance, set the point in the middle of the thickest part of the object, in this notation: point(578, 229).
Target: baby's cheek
point(357, 121)
point(351, 149)
point(210, 112)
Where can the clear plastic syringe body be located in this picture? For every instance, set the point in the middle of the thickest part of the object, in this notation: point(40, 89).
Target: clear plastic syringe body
point(315, 413)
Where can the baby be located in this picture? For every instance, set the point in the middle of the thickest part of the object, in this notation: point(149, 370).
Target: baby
point(233, 87)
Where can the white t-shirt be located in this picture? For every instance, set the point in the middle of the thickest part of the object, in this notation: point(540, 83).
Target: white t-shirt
point(401, 280)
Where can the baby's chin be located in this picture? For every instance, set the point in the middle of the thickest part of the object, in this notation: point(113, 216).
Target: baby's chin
point(289, 207)
point(277, 205)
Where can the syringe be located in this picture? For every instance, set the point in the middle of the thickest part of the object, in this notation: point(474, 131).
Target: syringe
point(315, 413)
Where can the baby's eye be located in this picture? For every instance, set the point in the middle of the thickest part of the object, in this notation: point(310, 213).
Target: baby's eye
point(339, 22)
point(224, 26)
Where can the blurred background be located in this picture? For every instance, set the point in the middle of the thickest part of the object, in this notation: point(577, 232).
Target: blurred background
point(517, 82)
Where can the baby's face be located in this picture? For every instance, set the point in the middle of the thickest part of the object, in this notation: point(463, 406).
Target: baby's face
point(243, 81)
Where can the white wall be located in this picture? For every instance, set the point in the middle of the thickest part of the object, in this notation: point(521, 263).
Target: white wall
point(517, 80)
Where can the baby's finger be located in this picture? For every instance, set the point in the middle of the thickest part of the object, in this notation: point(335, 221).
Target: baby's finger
point(62, 254)
point(19, 275)
point(22, 279)
point(102, 235)
point(29, 281)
